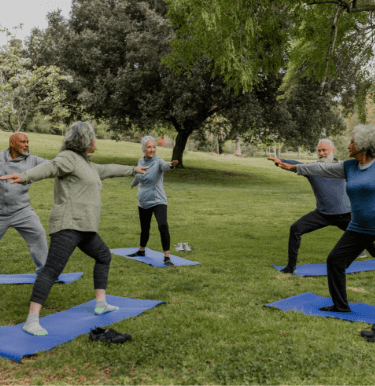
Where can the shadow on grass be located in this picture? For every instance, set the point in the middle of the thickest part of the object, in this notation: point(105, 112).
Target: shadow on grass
point(211, 176)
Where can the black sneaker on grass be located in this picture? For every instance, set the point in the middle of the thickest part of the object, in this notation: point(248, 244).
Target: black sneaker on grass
point(369, 334)
point(108, 335)
point(167, 262)
point(138, 253)
point(289, 269)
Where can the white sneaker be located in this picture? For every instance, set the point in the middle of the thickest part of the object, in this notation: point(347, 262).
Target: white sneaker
point(186, 247)
point(362, 255)
point(179, 247)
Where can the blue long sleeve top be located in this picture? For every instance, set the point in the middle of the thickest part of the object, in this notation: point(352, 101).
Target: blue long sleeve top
point(330, 194)
point(151, 184)
point(360, 188)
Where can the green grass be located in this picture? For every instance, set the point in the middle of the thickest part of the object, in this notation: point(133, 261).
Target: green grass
point(236, 214)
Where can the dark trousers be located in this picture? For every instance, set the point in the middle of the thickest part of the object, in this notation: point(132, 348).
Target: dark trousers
point(311, 222)
point(145, 215)
point(63, 243)
point(340, 258)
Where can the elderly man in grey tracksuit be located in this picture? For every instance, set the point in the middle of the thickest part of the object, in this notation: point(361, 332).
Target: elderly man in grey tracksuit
point(332, 205)
point(15, 209)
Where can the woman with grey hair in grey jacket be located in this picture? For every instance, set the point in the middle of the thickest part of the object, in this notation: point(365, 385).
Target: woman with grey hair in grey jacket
point(359, 174)
point(152, 198)
point(75, 215)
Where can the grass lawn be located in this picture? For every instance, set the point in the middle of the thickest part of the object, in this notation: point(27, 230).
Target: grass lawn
point(235, 214)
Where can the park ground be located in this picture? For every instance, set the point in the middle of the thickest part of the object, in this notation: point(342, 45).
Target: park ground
point(235, 213)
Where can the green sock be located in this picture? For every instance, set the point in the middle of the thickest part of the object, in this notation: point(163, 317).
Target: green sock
point(102, 307)
point(33, 327)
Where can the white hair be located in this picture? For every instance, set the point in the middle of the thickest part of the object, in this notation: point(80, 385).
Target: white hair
point(329, 141)
point(364, 139)
point(145, 140)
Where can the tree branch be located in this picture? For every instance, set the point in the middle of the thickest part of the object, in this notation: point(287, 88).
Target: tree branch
point(10, 123)
point(365, 8)
point(331, 44)
point(324, 2)
point(346, 4)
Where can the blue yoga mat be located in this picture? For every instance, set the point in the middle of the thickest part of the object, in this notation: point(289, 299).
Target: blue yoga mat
point(29, 278)
point(321, 269)
point(67, 325)
point(152, 257)
point(309, 304)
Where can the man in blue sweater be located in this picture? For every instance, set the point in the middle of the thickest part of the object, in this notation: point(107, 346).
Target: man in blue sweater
point(15, 209)
point(332, 205)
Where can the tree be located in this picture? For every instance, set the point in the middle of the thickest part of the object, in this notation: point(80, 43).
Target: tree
point(311, 115)
point(114, 60)
point(26, 90)
point(246, 37)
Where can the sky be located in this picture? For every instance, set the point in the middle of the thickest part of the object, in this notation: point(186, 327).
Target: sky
point(32, 13)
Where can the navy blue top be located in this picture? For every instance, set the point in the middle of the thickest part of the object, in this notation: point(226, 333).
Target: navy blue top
point(361, 190)
point(330, 194)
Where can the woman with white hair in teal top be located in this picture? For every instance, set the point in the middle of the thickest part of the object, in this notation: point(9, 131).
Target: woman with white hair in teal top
point(152, 198)
point(359, 174)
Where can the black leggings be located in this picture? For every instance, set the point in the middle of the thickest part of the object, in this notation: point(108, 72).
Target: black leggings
point(63, 243)
point(342, 255)
point(311, 222)
point(145, 215)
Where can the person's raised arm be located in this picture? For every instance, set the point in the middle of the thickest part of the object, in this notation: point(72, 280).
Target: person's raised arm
point(278, 161)
point(38, 161)
point(57, 167)
point(319, 169)
point(164, 166)
point(114, 170)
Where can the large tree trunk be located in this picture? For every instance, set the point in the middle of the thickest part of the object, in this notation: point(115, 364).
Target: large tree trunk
point(179, 147)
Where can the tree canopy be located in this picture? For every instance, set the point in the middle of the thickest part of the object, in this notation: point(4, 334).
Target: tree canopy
point(26, 89)
point(113, 51)
point(246, 37)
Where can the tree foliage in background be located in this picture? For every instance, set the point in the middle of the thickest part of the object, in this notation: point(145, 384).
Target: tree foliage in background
point(113, 51)
point(243, 37)
point(246, 37)
point(312, 115)
point(26, 90)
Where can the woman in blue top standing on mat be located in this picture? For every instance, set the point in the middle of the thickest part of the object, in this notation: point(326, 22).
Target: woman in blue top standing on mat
point(152, 198)
point(360, 177)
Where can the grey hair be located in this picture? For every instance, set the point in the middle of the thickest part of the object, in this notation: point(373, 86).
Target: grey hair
point(364, 139)
point(78, 137)
point(329, 141)
point(145, 140)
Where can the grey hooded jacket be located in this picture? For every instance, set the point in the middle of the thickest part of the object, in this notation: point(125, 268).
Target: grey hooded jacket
point(15, 197)
point(151, 184)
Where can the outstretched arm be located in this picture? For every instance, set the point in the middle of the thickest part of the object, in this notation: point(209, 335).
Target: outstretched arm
point(59, 166)
point(279, 161)
point(114, 170)
point(333, 170)
point(165, 166)
point(15, 177)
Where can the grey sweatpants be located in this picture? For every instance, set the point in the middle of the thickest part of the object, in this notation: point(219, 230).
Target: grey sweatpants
point(27, 223)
